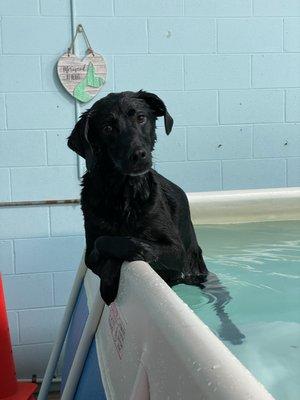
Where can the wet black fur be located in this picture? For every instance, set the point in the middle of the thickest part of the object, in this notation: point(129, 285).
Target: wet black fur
point(143, 217)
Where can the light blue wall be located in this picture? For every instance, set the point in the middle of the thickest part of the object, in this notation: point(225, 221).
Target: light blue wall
point(229, 71)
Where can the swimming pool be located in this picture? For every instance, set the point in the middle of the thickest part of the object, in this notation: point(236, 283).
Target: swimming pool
point(260, 264)
point(150, 344)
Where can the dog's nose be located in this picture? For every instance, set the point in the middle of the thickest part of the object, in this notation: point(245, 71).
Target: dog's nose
point(138, 155)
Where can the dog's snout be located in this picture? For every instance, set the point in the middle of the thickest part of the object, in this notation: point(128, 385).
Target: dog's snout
point(138, 155)
point(139, 161)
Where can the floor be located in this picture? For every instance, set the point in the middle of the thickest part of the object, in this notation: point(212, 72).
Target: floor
point(51, 396)
point(54, 396)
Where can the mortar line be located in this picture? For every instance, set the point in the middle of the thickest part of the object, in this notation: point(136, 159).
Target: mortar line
point(14, 256)
point(221, 174)
point(18, 325)
point(216, 38)
point(9, 184)
point(147, 34)
point(282, 44)
point(251, 71)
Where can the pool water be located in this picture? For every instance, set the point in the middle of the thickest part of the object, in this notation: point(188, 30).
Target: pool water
point(259, 263)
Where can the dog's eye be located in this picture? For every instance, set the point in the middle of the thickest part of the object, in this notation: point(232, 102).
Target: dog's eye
point(107, 128)
point(141, 119)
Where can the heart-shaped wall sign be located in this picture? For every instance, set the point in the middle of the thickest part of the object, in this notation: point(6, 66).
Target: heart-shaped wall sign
point(83, 79)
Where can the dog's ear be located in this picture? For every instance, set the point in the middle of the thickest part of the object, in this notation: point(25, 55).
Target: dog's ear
point(78, 140)
point(158, 106)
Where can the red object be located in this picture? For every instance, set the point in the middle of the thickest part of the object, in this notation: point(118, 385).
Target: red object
point(10, 388)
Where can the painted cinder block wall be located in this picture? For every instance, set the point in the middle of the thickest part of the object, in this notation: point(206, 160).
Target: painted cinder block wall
point(229, 71)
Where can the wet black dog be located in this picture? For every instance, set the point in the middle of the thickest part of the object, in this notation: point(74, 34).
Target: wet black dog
point(130, 211)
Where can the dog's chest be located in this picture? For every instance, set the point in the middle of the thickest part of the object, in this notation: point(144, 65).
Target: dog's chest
point(125, 210)
point(117, 221)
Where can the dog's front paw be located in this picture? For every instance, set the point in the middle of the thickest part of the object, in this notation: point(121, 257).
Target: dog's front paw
point(141, 251)
point(108, 291)
point(109, 280)
point(231, 333)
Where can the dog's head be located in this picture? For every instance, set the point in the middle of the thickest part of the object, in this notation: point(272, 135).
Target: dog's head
point(121, 126)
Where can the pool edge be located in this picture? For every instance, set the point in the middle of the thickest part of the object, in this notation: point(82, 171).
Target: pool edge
point(238, 206)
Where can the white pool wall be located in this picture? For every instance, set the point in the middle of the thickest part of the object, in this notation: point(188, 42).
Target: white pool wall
point(167, 351)
point(240, 206)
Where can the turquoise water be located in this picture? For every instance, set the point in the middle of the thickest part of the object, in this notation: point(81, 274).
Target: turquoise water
point(260, 265)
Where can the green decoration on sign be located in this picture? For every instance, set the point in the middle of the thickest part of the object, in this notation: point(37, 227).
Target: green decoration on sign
point(91, 77)
point(92, 80)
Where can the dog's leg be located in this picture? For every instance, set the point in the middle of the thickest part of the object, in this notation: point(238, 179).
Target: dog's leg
point(108, 270)
point(124, 248)
point(110, 279)
point(219, 296)
point(132, 249)
point(213, 289)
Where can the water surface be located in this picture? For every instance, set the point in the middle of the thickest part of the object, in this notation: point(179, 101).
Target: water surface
point(260, 265)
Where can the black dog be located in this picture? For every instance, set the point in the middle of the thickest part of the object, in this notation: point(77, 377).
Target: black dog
point(130, 211)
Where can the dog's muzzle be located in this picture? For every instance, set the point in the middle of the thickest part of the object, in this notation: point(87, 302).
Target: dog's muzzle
point(139, 162)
